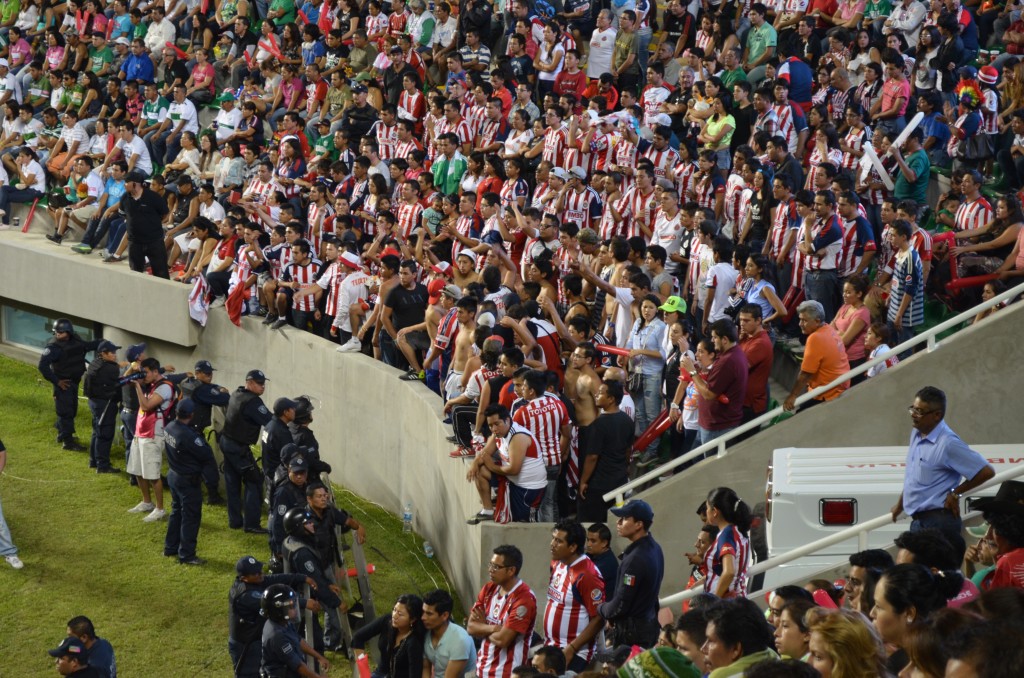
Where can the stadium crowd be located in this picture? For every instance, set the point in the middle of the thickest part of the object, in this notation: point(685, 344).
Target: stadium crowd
point(581, 225)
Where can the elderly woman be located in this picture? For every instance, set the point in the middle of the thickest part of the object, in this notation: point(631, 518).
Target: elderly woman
point(843, 644)
point(824, 357)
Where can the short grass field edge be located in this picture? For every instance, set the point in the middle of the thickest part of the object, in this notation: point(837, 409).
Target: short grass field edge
point(84, 554)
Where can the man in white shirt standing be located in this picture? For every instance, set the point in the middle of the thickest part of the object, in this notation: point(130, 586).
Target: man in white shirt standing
point(442, 43)
point(159, 33)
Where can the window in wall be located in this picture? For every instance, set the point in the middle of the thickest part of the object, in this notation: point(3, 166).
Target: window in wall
point(32, 328)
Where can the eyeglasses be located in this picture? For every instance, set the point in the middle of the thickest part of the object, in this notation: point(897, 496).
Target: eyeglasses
point(493, 567)
point(918, 412)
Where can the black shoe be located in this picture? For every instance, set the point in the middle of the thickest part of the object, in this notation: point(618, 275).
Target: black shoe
point(73, 445)
point(108, 469)
point(214, 500)
point(279, 323)
point(55, 237)
point(257, 530)
point(271, 317)
point(194, 560)
point(173, 554)
point(133, 481)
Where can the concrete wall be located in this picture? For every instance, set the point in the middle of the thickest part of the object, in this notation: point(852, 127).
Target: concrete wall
point(386, 441)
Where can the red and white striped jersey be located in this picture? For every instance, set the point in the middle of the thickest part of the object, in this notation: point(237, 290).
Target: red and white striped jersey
point(651, 100)
point(259, 191)
point(330, 280)
point(730, 541)
point(786, 128)
point(974, 214)
point(461, 129)
point(786, 220)
point(490, 131)
point(874, 196)
point(833, 251)
point(317, 217)
point(550, 345)
point(834, 156)
point(767, 122)
point(574, 593)
point(577, 156)
point(468, 227)
point(513, 190)
point(707, 189)
point(921, 240)
point(624, 154)
point(582, 207)
point(849, 260)
point(662, 160)
point(600, 151)
point(990, 112)
point(734, 186)
point(610, 226)
point(516, 610)
point(855, 139)
point(685, 172)
point(387, 139)
point(447, 330)
point(411, 106)
point(799, 259)
point(639, 207)
point(409, 218)
point(703, 40)
point(555, 142)
point(242, 270)
point(428, 140)
point(274, 255)
point(539, 192)
point(405, 148)
point(544, 417)
point(475, 116)
point(304, 275)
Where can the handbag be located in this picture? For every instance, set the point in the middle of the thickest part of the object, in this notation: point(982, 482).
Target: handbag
point(977, 147)
point(635, 382)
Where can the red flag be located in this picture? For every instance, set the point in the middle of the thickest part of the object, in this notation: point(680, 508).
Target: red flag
point(234, 304)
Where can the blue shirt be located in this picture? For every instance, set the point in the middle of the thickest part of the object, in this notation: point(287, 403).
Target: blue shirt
point(101, 658)
point(936, 463)
point(455, 645)
point(933, 128)
point(114, 190)
point(138, 68)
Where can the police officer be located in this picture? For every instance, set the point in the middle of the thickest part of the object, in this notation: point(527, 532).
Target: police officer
point(189, 459)
point(283, 647)
point(72, 659)
point(102, 389)
point(286, 497)
point(205, 396)
point(326, 520)
point(63, 364)
point(301, 555)
point(304, 437)
point(245, 624)
point(633, 609)
point(276, 435)
point(246, 414)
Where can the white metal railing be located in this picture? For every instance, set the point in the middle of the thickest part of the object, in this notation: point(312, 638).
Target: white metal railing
point(719, 444)
point(859, 531)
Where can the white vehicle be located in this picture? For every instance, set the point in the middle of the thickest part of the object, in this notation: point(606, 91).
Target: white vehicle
point(814, 492)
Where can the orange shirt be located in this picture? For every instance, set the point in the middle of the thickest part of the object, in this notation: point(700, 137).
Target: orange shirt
point(825, 359)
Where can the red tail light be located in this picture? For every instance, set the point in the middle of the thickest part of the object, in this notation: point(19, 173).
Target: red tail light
point(837, 511)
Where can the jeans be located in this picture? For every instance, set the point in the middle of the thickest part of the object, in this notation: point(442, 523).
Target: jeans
point(823, 287)
point(66, 405)
point(104, 416)
point(898, 336)
point(648, 407)
point(9, 194)
point(243, 485)
point(548, 511)
point(643, 49)
point(246, 658)
point(389, 353)
point(705, 436)
point(156, 142)
point(945, 522)
point(186, 514)
point(7, 547)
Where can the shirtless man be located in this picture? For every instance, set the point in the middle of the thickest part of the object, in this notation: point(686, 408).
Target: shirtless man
point(583, 389)
point(464, 272)
point(463, 346)
point(389, 279)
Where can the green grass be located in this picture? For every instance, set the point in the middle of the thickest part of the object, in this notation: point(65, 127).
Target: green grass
point(84, 554)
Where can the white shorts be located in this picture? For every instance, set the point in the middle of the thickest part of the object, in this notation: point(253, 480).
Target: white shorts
point(146, 457)
point(186, 242)
point(453, 385)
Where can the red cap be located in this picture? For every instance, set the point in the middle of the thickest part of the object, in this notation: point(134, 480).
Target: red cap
point(434, 288)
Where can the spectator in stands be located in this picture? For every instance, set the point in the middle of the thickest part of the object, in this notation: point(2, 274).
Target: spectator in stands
point(782, 596)
point(646, 361)
point(599, 550)
point(738, 637)
point(447, 646)
point(604, 453)
point(824, 358)
point(504, 629)
point(729, 559)
point(400, 637)
point(756, 344)
point(866, 568)
point(1005, 515)
point(722, 393)
point(927, 642)
point(511, 461)
point(843, 643)
point(792, 635)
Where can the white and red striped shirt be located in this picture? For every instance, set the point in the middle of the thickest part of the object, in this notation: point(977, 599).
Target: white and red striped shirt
point(786, 128)
point(703, 40)
point(974, 214)
point(259, 191)
point(330, 280)
point(461, 129)
point(662, 160)
point(921, 240)
point(411, 106)
point(834, 156)
point(387, 139)
point(855, 139)
point(405, 148)
point(475, 116)
point(730, 541)
point(582, 207)
point(512, 190)
point(610, 226)
point(639, 207)
point(786, 220)
point(624, 155)
point(516, 610)
point(577, 156)
point(734, 186)
point(409, 218)
point(490, 131)
point(767, 122)
point(447, 330)
point(684, 178)
point(555, 142)
point(849, 259)
point(574, 593)
point(544, 417)
point(318, 218)
point(303, 275)
point(830, 261)
point(468, 227)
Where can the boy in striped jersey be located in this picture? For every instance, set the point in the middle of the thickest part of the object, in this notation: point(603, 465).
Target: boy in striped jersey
point(906, 296)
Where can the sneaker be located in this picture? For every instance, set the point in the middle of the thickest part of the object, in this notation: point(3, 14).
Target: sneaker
point(279, 323)
point(214, 500)
point(142, 507)
point(73, 445)
point(411, 375)
point(81, 248)
point(108, 469)
point(156, 515)
point(271, 317)
point(646, 459)
point(15, 562)
point(461, 452)
point(262, 311)
point(481, 517)
point(112, 259)
point(353, 345)
point(218, 302)
point(196, 560)
point(55, 238)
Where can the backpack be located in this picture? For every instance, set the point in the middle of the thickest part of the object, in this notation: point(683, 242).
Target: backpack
point(169, 414)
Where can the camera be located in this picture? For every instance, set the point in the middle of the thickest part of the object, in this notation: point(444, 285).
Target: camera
point(123, 381)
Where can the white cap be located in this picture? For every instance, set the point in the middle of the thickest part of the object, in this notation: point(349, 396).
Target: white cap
point(560, 173)
point(469, 254)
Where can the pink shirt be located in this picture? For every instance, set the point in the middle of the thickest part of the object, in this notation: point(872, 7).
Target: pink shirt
point(893, 89)
point(844, 318)
point(204, 73)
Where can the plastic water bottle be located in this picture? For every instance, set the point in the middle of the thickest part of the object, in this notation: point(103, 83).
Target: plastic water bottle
point(407, 518)
point(428, 549)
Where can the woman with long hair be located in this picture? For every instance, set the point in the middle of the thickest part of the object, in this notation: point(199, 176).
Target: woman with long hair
point(853, 319)
point(400, 635)
point(792, 635)
point(826, 150)
point(646, 361)
point(870, 89)
point(986, 248)
point(927, 643)
point(729, 558)
point(209, 156)
point(187, 160)
point(228, 174)
point(474, 173)
point(716, 134)
point(843, 644)
point(494, 178)
point(348, 19)
point(925, 75)
point(519, 137)
point(861, 53)
point(549, 59)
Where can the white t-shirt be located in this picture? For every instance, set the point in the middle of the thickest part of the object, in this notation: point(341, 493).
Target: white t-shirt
point(136, 147)
point(29, 132)
point(602, 44)
point(721, 276)
point(11, 84)
point(227, 122)
point(214, 211)
point(94, 185)
point(186, 111)
point(36, 170)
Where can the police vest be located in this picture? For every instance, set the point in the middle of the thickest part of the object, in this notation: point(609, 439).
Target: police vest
point(178, 441)
point(236, 425)
point(71, 363)
point(242, 628)
point(101, 380)
point(201, 417)
point(292, 548)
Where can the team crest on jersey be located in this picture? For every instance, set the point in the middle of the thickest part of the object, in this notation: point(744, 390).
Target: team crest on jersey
point(521, 612)
point(628, 580)
point(596, 595)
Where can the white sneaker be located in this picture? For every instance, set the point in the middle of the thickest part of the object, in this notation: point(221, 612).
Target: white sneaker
point(353, 345)
point(156, 515)
point(142, 507)
point(15, 562)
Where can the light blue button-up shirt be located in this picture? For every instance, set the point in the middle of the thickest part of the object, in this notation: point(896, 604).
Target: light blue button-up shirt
point(936, 463)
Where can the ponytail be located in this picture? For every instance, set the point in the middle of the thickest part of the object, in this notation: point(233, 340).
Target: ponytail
point(732, 508)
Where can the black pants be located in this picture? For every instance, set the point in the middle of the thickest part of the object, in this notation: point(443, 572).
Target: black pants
point(104, 419)
point(243, 484)
point(218, 282)
point(66, 405)
point(593, 509)
point(137, 253)
point(186, 514)
point(463, 423)
point(635, 632)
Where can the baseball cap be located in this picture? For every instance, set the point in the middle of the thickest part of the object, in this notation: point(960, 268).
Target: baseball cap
point(587, 236)
point(395, 50)
point(257, 376)
point(283, 404)
point(452, 291)
point(70, 647)
point(204, 366)
point(350, 260)
point(359, 89)
point(638, 509)
point(486, 319)
point(225, 96)
point(298, 463)
point(135, 350)
point(434, 288)
point(674, 304)
point(469, 254)
point(560, 173)
point(442, 268)
point(248, 565)
point(122, 41)
point(186, 407)
point(135, 175)
point(579, 172)
point(3, 62)
point(107, 347)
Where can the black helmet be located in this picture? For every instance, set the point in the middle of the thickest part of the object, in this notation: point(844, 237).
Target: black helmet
point(62, 325)
point(280, 604)
point(295, 519)
point(303, 410)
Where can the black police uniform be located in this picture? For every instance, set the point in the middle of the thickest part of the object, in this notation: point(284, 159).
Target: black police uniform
point(102, 389)
point(245, 623)
point(245, 416)
point(282, 651)
point(287, 496)
point(64, 361)
point(275, 436)
point(188, 457)
point(303, 436)
point(205, 397)
point(634, 608)
point(302, 557)
point(326, 538)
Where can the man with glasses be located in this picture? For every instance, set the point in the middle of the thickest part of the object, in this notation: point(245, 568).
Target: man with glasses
point(503, 616)
point(941, 468)
point(633, 610)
